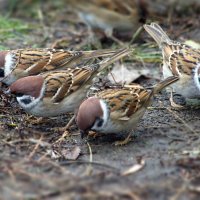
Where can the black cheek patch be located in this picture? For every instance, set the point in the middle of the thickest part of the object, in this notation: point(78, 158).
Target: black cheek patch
point(26, 101)
point(1, 72)
point(100, 122)
point(19, 94)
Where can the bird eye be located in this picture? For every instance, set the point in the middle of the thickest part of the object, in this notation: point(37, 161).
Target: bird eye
point(1, 72)
point(26, 101)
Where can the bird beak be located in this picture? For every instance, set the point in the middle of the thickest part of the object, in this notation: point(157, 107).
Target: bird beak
point(7, 91)
point(83, 133)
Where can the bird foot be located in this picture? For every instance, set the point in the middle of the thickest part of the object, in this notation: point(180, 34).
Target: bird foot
point(62, 138)
point(123, 142)
point(64, 130)
point(93, 134)
point(36, 121)
point(173, 104)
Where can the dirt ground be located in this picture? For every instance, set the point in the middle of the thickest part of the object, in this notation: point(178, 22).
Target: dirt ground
point(162, 161)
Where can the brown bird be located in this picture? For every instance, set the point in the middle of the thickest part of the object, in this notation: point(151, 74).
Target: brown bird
point(122, 16)
point(179, 60)
point(117, 110)
point(20, 63)
point(61, 91)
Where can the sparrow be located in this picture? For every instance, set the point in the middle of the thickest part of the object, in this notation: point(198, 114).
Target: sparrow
point(61, 91)
point(15, 64)
point(117, 110)
point(109, 15)
point(179, 60)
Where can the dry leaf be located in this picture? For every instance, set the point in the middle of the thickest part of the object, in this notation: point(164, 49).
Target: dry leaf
point(129, 73)
point(71, 154)
point(134, 168)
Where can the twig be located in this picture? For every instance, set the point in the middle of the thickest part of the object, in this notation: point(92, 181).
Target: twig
point(78, 162)
point(36, 147)
point(89, 168)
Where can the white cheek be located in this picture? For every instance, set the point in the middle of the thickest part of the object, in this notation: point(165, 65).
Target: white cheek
point(9, 64)
point(197, 76)
point(34, 101)
point(105, 117)
point(26, 105)
point(105, 110)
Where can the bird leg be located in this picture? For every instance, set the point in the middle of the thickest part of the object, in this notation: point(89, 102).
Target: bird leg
point(109, 34)
point(65, 129)
point(94, 134)
point(125, 141)
point(36, 120)
point(172, 103)
point(92, 38)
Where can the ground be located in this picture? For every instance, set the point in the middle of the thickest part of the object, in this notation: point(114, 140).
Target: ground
point(161, 161)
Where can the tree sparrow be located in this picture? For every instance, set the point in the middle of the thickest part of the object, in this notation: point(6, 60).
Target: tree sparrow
point(117, 110)
point(20, 63)
point(60, 91)
point(109, 16)
point(179, 60)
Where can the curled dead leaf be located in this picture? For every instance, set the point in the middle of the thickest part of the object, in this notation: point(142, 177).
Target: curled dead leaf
point(134, 168)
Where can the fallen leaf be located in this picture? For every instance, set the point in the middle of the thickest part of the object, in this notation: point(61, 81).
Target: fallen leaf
point(134, 168)
point(128, 73)
point(71, 154)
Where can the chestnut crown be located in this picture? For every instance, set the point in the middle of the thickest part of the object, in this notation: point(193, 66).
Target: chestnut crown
point(30, 85)
point(88, 112)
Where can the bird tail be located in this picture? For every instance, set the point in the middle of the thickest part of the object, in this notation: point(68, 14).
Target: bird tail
point(161, 85)
point(106, 62)
point(157, 33)
point(99, 53)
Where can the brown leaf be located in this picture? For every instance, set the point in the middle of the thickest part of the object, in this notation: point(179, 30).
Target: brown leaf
point(71, 154)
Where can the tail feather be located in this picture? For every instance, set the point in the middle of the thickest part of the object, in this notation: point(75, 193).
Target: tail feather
point(157, 33)
point(161, 85)
point(99, 53)
point(106, 62)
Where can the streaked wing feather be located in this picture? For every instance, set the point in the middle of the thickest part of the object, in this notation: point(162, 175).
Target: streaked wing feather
point(124, 103)
point(60, 84)
point(32, 57)
point(184, 61)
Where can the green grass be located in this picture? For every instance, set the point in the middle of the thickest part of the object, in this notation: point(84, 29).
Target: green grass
point(147, 53)
point(11, 28)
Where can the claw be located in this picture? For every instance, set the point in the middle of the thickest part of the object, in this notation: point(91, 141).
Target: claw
point(173, 104)
point(123, 142)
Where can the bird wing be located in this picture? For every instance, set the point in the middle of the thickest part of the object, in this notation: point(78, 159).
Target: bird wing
point(184, 60)
point(35, 61)
point(123, 103)
point(60, 84)
point(31, 57)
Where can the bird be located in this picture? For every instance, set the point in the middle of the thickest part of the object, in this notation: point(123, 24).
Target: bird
point(60, 91)
point(108, 16)
point(180, 60)
point(117, 110)
point(15, 64)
